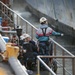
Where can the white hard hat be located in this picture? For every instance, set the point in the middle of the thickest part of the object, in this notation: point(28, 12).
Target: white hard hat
point(43, 19)
point(24, 36)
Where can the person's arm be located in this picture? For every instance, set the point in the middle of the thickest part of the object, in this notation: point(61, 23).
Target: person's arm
point(57, 33)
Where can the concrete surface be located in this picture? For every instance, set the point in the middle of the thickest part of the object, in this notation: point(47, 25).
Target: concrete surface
point(7, 68)
point(60, 13)
point(63, 10)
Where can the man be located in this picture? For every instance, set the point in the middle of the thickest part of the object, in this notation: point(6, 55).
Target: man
point(29, 51)
point(42, 34)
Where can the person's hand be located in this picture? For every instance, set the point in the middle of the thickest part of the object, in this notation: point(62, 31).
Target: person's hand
point(13, 44)
point(24, 51)
point(62, 34)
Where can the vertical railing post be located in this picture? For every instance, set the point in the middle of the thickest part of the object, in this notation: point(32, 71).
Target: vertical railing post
point(21, 23)
point(54, 49)
point(26, 27)
point(38, 67)
point(17, 19)
point(13, 18)
point(32, 32)
point(1, 9)
point(9, 15)
point(4, 11)
point(73, 66)
point(63, 61)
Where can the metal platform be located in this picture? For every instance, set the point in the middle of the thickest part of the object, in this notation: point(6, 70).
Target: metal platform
point(7, 68)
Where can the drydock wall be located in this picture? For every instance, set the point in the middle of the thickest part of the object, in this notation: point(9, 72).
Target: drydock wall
point(60, 13)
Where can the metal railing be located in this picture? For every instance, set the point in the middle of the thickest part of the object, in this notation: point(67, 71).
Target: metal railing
point(17, 20)
point(30, 29)
point(61, 47)
point(65, 72)
point(66, 58)
point(38, 66)
point(61, 51)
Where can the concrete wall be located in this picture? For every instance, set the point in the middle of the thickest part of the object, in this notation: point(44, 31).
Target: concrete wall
point(61, 10)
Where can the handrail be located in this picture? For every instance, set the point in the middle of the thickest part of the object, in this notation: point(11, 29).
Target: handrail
point(57, 56)
point(63, 57)
point(18, 15)
point(12, 32)
point(50, 70)
point(61, 47)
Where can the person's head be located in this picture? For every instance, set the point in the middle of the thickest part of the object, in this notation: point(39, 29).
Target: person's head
point(14, 38)
point(26, 37)
point(43, 20)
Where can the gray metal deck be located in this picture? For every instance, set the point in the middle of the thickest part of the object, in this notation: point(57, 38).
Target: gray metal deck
point(7, 68)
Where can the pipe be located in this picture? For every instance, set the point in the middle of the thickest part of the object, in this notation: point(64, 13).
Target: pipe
point(12, 32)
point(2, 44)
point(17, 67)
